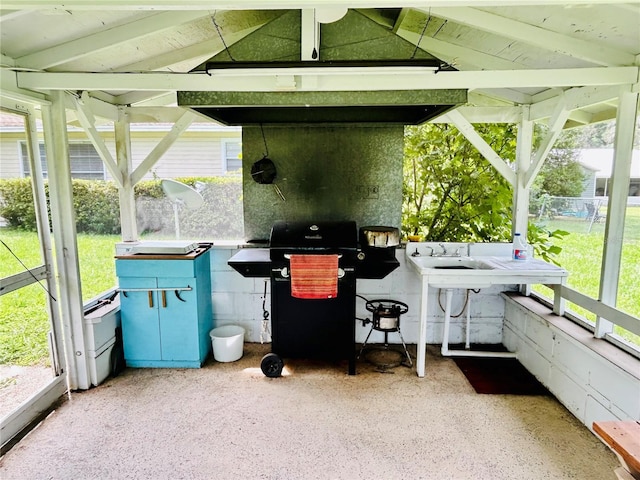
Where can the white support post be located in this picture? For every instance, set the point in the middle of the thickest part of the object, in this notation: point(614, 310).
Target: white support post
point(556, 124)
point(128, 225)
point(421, 348)
point(44, 235)
point(161, 148)
point(64, 231)
point(88, 122)
point(616, 210)
point(524, 147)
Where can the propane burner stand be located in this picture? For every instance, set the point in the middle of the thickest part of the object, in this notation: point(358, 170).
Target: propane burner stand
point(386, 318)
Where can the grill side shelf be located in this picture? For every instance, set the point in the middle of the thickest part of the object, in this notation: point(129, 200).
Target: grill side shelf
point(252, 262)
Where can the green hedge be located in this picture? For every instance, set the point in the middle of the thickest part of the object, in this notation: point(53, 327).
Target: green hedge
point(220, 217)
point(16, 203)
point(96, 207)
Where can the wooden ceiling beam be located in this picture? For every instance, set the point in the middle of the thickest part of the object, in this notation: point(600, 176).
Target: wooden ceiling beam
point(368, 79)
point(536, 36)
point(90, 44)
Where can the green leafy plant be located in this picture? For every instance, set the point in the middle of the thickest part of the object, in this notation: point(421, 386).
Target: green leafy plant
point(541, 240)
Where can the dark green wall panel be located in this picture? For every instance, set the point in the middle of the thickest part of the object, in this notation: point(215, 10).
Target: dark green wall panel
point(325, 173)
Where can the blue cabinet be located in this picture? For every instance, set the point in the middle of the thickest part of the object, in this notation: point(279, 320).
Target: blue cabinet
point(166, 310)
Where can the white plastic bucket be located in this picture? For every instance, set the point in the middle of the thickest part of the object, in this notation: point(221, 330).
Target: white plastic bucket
point(227, 343)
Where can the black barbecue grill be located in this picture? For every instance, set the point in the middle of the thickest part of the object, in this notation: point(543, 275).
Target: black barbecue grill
point(313, 327)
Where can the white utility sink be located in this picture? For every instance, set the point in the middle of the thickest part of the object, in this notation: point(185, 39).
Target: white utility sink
point(452, 272)
point(449, 263)
point(486, 265)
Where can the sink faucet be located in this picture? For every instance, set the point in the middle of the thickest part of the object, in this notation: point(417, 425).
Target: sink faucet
point(418, 254)
point(446, 253)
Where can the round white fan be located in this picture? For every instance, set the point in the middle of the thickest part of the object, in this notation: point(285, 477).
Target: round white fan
point(181, 195)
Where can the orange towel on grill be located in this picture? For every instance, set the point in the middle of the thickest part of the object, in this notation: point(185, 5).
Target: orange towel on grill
point(314, 276)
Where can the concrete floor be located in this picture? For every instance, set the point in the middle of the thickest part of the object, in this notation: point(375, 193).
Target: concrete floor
point(228, 421)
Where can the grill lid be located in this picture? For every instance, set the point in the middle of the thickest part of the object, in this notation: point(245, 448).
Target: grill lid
point(318, 235)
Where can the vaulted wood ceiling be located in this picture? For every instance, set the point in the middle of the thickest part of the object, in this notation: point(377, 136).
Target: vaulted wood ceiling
point(507, 53)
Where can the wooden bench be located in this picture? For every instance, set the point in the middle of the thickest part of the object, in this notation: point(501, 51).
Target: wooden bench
point(624, 439)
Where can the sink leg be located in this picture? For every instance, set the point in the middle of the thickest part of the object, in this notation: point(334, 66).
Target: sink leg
point(421, 348)
point(467, 343)
point(447, 318)
point(558, 301)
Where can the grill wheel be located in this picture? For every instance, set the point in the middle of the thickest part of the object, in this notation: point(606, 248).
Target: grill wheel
point(272, 365)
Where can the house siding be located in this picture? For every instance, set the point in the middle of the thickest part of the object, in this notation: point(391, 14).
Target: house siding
point(589, 183)
point(10, 158)
point(191, 157)
point(193, 154)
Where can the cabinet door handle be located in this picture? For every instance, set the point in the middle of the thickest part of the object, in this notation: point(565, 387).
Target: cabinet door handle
point(150, 293)
point(164, 299)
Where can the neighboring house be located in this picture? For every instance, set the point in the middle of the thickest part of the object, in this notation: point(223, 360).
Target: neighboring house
point(589, 182)
point(598, 165)
point(211, 150)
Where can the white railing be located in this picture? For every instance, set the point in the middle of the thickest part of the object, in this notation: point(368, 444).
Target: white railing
point(602, 311)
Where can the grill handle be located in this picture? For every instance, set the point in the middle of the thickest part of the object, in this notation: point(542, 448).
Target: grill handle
point(288, 255)
point(284, 272)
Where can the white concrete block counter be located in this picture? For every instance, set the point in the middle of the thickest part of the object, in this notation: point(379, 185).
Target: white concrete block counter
point(242, 301)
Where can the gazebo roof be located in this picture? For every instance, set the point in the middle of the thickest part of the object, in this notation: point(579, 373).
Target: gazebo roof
point(505, 53)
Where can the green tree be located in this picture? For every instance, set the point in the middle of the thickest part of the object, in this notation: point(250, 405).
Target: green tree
point(561, 174)
point(598, 135)
point(602, 135)
point(451, 192)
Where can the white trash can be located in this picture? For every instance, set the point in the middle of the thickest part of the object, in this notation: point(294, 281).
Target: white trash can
point(227, 343)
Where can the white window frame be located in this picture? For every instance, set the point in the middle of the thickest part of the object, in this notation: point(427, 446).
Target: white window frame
point(74, 172)
point(223, 154)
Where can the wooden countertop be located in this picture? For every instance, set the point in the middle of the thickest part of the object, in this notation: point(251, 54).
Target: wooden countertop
point(624, 438)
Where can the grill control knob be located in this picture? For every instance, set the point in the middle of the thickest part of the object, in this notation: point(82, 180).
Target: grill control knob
point(314, 228)
point(361, 255)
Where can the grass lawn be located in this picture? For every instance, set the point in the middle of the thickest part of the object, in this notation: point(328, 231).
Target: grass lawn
point(23, 314)
point(582, 255)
